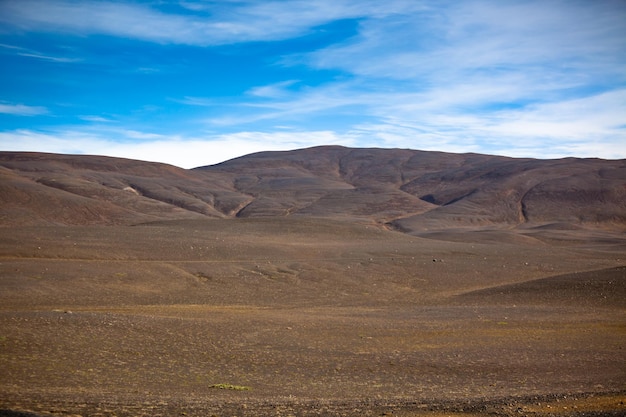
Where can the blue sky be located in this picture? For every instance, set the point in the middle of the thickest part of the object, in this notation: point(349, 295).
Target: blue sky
point(193, 83)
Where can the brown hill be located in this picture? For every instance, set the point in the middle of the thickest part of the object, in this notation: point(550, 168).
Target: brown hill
point(407, 189)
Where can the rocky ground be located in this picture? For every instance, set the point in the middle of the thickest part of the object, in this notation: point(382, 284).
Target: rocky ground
point(269, 317)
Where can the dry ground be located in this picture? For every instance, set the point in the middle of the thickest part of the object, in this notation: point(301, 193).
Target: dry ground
point(287, 316)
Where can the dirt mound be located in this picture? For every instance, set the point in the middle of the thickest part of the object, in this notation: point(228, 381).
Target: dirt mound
point(601, 288)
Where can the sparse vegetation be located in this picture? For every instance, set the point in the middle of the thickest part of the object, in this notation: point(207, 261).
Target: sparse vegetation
point(230, 387)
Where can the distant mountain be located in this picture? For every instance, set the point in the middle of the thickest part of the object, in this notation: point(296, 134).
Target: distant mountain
point(405, 189)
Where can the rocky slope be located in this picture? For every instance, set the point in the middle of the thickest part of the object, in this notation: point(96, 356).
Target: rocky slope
point(406, 189)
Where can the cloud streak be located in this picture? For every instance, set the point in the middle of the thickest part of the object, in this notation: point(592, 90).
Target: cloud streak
point(22, 110)
point(211, 23)
point(29, 53)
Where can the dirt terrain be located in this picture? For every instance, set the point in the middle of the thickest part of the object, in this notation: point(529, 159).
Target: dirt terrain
point(308, 317)
point(304, 315)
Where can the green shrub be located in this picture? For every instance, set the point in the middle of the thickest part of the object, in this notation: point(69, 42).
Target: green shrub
point(231, 387)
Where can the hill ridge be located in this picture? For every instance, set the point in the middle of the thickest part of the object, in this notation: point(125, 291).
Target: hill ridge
point(402, 188)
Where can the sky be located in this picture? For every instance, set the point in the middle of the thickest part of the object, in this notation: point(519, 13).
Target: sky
point(193, 83)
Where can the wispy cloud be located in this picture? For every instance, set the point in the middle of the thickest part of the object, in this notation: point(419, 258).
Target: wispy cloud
point(276, 102)
point(211, 23)
point(95, 119)
point(276, 90)
point(588, 126)
point(489, 75)
point(22, 110)
point(197, 101)
point(479, 38)
point(48, 57)
point(91, 17)
point(35, 54)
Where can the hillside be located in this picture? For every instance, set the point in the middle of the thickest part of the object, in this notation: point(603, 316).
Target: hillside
point(406, 189)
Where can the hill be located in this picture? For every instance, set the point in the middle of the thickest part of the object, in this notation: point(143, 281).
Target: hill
point(405, 189)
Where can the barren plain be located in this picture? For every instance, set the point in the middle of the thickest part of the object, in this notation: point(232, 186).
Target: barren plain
point(290, 293)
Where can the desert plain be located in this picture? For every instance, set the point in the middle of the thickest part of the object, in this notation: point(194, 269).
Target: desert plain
point(346, 304)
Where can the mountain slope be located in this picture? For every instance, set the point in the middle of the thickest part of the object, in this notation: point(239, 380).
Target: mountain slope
point(407, 189)
point(412, 188)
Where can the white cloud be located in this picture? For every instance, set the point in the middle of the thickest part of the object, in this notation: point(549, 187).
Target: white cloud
point(455, 120)
point(211, 23)
point(22, 110)
point(180, 151)
point(589, 126)
point(95, 119)
point(445, 41)
point(94, 17)
point(35, 54)
point(276, 102)
point(48, 57)
point(514, 78)
point(197, 101)
point(486, 52)
point(579, 118)
point(276, 90)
